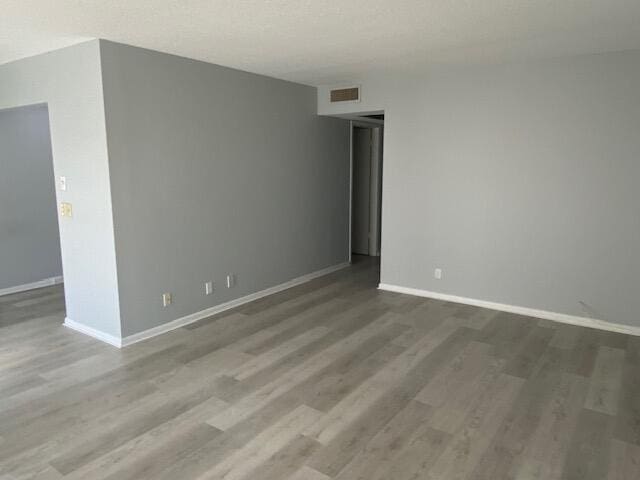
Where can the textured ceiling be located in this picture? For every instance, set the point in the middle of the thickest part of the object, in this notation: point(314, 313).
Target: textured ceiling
point(322, 41)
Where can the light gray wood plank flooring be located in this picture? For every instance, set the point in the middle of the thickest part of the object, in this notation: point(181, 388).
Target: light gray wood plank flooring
point(333, 379)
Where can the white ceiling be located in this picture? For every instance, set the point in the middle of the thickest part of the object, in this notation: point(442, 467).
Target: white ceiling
point(327, 41)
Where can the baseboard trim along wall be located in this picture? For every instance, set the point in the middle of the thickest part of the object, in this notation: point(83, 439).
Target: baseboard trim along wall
point(47, 282)
point(92, 332)
point(529, 312)
point(194, 317)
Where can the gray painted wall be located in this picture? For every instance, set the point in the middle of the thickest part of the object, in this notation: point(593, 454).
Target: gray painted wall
point(69, 81)
point(216, 171)
point(520, 181)
point(29, 239)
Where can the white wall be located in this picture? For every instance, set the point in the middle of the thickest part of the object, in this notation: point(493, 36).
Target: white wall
point(69, 81)
point(29, 242)
point(520, 181)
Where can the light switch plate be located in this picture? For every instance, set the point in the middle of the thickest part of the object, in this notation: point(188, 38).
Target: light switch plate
point(63, 184)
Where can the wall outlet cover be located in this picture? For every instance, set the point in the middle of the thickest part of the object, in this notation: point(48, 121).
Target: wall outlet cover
point(166, 299)
point(66, 209)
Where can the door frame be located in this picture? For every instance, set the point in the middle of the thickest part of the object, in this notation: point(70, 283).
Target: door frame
point(364, 124)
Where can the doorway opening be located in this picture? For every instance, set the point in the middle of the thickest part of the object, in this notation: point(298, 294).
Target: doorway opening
point(367, 136)
point(31, 273)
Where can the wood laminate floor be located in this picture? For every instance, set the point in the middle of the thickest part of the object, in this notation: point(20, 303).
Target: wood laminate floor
point(331, 379)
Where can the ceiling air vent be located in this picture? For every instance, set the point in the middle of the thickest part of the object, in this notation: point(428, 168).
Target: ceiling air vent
point(347, 94)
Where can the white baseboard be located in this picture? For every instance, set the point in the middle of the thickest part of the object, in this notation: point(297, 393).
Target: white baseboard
point(47, 282)
point(92, 332)
point(529, 312)
point(194, 317)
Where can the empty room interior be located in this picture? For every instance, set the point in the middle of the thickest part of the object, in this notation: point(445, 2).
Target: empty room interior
point(351, 240)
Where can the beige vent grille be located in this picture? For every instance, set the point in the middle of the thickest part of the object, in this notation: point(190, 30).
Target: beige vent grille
point(351, 94)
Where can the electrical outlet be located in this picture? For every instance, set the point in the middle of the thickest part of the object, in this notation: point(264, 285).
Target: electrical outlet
point(66, 209)
point(208, 288)
point(231, 280)
point(437, 273)
point(166, 299)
